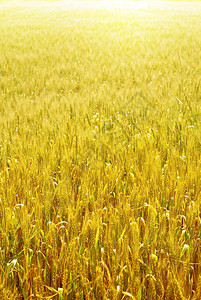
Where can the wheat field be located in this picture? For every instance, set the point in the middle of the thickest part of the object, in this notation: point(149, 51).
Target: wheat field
point(100, 151)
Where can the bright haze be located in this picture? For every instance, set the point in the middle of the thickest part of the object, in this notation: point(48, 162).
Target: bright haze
point(109, 5)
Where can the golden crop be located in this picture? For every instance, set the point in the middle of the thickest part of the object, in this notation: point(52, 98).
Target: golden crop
point(100, 156)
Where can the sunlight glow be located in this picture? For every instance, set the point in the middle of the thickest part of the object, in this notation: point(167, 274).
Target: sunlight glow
point(66, 4)
point(100, 4)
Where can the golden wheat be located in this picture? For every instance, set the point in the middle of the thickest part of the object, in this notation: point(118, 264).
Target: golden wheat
point(100, 160)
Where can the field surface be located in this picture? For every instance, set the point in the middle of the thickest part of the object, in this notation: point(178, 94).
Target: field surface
point(100, 150)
